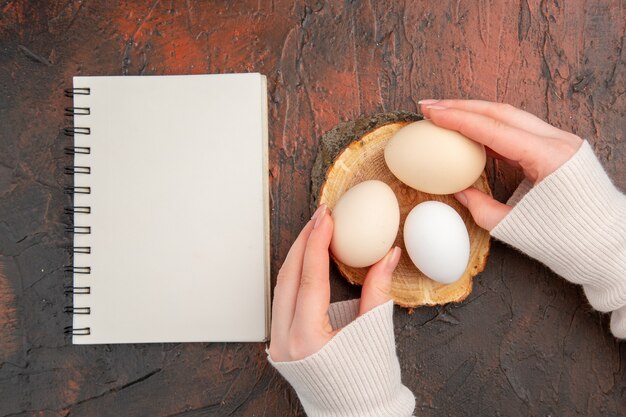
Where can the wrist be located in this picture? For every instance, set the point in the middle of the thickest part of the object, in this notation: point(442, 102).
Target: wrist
point(574, 221)
point(356, 373)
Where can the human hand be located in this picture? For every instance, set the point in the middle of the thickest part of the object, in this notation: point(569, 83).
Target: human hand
point(509, 134)
point(300, 322)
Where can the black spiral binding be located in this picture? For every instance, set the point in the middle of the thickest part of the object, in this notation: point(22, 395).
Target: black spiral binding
point(72, 131)
point(77, 190)
point(73, 150)
point(71, 170)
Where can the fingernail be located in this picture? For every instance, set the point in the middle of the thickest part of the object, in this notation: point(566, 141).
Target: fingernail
point(428, 101)
point(436, 107)
point(461, 197)
point(317, 212)
point(393, 257)
point(319, 216)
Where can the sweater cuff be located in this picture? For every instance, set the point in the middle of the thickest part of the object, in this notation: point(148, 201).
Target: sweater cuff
point(520, 192)
point(574, 221)
point(357, 373)
point(618, 323)
point(342, 313)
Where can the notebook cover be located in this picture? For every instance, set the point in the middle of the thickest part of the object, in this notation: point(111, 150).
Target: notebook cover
point(179, 220)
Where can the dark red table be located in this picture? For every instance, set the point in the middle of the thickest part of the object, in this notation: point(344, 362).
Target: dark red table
point(525, 343)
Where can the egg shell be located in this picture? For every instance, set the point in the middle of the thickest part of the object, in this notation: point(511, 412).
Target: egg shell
point(366, 221)
point(434, 160)
point(437, 241)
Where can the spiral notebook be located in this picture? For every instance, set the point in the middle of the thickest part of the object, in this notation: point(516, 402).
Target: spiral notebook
point(170, 209)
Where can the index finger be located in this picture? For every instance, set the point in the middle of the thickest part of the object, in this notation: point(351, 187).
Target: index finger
point(503, 112)
point(314, 292)
point(510, 142)
point(287, 283)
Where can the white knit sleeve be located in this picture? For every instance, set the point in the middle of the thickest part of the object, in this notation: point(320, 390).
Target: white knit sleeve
point(574, 221)
point(357, 373)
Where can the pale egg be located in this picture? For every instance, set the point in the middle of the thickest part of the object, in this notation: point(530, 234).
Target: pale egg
point(437, 241)
point(366, 220)
point(434, 160)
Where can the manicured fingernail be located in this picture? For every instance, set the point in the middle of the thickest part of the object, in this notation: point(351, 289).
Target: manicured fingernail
point(317, 212)
point(427, 101)
point(461, 197)
point(392, 259)
point(320, 213)
point(436, 107)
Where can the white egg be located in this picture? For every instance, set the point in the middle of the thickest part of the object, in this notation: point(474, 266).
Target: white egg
point(366, 220)
point(437, 242)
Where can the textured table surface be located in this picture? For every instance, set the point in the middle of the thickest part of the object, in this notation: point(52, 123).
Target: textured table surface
point(524, 343)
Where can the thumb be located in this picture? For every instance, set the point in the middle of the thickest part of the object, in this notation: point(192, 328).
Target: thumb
point(377, 284)
point(486, 211)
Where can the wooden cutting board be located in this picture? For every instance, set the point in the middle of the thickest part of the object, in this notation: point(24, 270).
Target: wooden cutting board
point(353, 152)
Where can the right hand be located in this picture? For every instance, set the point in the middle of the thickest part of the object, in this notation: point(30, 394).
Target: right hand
point(509, 134)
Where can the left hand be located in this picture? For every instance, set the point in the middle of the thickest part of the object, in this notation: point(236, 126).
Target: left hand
point(300, 322)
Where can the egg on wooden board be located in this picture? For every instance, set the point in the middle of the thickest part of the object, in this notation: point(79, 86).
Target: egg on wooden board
point(437, 241)
point(434, 160)
point(366, 221)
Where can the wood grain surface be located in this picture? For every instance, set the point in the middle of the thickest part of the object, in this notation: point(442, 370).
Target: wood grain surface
point(525, 343)
point(363, 159)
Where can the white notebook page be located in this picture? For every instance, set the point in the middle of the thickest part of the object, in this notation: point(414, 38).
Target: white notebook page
point(179, 209)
